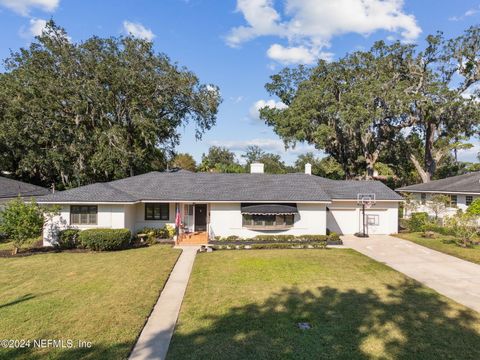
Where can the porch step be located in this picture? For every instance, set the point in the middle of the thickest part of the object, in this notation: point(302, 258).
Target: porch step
point(194, 238)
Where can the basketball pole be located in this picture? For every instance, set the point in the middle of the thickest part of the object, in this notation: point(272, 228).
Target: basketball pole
point(363, 216)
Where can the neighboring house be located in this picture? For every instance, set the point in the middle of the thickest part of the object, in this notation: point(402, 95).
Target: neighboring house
point(461, 190)
point(219, 204)
point(12, 189)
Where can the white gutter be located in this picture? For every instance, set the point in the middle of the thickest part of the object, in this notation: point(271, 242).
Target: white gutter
point(439, 192)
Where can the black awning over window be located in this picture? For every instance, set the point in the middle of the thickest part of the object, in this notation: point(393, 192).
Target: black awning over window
point(269, 209)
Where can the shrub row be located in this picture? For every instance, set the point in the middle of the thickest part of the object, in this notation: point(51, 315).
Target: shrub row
point(282, 238)
point(95, 239)
point(258, 246)
point(165, 232)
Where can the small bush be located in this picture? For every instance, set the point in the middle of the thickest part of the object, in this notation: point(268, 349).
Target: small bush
point(105, 239)
point(232, 238)
point(165, 232)
point(274, 237)
point(334, 237)
point(439, 229)
point(474, 207)
point(418, 221)
point(68, 239)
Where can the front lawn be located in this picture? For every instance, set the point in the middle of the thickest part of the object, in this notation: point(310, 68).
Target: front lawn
point(247, 304)
point(103, 298)
point(444, 244)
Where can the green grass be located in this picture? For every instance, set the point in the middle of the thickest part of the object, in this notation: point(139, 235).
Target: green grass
point(246, 305)
point(444, 244)
point(103, 298)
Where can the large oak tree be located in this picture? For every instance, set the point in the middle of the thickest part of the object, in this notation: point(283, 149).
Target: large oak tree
point(102, 109)
point(369, 103)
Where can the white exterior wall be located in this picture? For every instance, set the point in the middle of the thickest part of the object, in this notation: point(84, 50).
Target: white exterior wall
point(345, 217)
point(140, 222)
point(108, 216)
point(449, 211)
point(226, 219)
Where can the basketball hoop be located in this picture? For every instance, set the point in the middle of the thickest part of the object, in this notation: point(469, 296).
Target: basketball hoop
point(366, 201)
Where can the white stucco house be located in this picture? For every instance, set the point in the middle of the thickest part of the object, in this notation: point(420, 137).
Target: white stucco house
point(219, 205)
point(461, 190)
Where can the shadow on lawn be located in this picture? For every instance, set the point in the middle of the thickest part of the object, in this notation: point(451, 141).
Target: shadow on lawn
point(20, 299)
point(410, 323)
point(100, 352)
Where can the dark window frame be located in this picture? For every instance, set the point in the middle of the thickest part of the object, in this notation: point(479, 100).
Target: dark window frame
point(468, 200)
point(268, 222)
point(83, 215)
point(157, 211)
point(423, 198)
point(453, 201)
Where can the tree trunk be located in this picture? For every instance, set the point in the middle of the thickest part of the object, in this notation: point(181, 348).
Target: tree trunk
point(430, 162)
point(423, 174)
point(15, 250)
point(371, 160)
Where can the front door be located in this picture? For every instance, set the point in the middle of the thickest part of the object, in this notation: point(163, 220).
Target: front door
point(200, 217)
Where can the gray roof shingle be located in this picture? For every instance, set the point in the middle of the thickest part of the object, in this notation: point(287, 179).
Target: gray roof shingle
point(467, 183)
point(10, 188)
point(188, 186)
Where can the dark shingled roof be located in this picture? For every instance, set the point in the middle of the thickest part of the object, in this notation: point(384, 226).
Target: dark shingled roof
point(467, 183)
point(10, 188)
point(188, 186)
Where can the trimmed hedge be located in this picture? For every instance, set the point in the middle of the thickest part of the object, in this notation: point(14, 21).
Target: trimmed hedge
point(105, 239)
point(334, 237)
point(165, 232)
point(68, 239)
point(265, 246)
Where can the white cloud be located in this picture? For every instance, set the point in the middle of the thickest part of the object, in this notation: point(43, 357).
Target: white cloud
point(472, 92)
point(275, 146)
point(37, 26)
point(138, 30)
point(255, 108)
point(309, 25)
point(296, 54)
point(469, 12)
point(236, 99)
point(23, 7)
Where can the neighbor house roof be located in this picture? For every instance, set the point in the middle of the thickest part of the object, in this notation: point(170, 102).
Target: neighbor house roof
point(467, 183)
point(10, 188)
point(189, 186)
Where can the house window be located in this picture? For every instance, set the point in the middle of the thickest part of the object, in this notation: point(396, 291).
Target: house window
point(83, 215)
point(453, 201)
point(268, 222)
point(468, 200)
point(157, 211)
point(423, 197)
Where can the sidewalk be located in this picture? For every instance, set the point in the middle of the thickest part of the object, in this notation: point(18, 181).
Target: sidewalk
point(155, 337)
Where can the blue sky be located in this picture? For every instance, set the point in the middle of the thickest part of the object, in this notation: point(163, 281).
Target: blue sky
point(237, 45)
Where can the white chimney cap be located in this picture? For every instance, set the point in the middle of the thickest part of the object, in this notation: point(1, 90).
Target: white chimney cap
point(308, 169)
point(256, 168)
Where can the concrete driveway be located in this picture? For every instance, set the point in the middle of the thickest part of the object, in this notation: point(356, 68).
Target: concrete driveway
point(458, 279)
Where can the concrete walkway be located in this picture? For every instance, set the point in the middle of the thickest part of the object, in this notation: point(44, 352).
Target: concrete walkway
point(155, 337)
point(458, 279)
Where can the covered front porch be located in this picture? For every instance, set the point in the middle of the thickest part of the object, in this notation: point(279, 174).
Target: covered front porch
point(194, 223)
